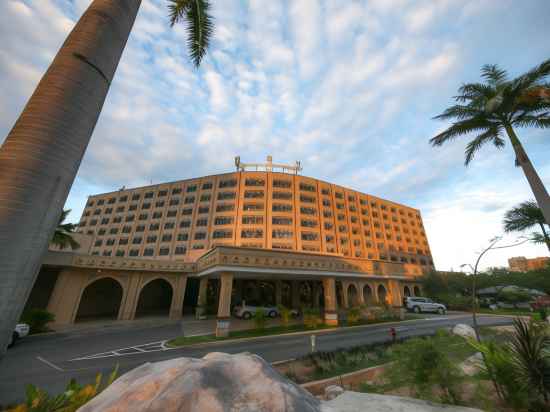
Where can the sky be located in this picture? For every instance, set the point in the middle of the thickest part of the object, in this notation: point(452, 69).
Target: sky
point(349, 88)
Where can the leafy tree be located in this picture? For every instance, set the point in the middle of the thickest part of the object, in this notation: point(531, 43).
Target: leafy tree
point(493, 109)
point(62, 236)
point(523, 217)
point(41, 155)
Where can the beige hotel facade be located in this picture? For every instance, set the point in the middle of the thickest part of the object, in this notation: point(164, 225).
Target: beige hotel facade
point(265, 236)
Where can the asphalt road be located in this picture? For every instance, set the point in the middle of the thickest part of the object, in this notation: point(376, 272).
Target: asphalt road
point(51, 361)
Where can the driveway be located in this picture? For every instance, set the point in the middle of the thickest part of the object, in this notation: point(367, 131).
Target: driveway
point(51, 361)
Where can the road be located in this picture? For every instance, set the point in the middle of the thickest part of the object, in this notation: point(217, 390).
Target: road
point(51, 361)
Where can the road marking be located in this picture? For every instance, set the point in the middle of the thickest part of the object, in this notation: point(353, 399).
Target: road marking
point(50, 364)
point(159, 346)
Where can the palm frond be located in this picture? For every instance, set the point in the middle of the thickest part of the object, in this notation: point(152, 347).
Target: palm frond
point(463, 127)
point(62, 236)
point(541, 121)
point(491, 135)
point(493, 74)
point(460, 112)
point(523, 216)
point(200, 26)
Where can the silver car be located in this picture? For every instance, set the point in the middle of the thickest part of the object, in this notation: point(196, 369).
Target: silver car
point(418, 305)
point(21, 330)
point(247, 310)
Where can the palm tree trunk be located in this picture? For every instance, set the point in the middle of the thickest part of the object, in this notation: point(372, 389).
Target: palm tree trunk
point(541, 195)
point(41, 155)
point(546, 237)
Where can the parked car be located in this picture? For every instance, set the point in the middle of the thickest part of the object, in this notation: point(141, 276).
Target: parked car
point(419, 305)
point(21, 330)
point(248, 309)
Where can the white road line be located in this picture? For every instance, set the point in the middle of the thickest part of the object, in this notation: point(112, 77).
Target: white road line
point(50, 364)
point(138, 349)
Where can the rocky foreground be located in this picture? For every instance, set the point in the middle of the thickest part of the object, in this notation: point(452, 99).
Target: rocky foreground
point(221, 382)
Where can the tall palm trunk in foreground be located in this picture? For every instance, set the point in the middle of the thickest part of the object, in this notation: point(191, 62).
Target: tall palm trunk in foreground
point(41, 155)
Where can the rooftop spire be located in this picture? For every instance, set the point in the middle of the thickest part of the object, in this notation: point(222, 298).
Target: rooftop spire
point(268, 166)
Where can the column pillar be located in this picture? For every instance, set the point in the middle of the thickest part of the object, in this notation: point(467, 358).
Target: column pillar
point(278, 292)
point(360, 296)
point(295, 294)
point(224, 305)
point(65, 297)
point(128, 307)
point(329, 291)
point(201, 301)
point(176, 308)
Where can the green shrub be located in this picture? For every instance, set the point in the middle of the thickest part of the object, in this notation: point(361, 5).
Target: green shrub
point(38, 320)
point(285, 314)
point(312, 318)
point(353, 315)
point(543, 312)
point(259, 319)
point(73, 398)
point(422, 365)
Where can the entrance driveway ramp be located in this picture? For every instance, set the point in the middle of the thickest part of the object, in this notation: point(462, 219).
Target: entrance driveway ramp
point(355, 402)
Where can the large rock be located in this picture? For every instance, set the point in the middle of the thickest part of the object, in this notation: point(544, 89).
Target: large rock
point(368, 402)
point(218, 382)
point(466, 331)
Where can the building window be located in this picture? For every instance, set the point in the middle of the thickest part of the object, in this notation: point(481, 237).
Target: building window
point(113, 231)
point(172, 213)
point(223, 220)
point(101, 232)
point(226, 195)
point(327, 214)
point(308, 223)
point(134, 252)
point(108, 210)
point(169, 225)
point(149, 195)
point(307, 199)
point(200, 235)
point(130, 218)
point(329, 239)
point(204, 209)
point(143, 216)
point(253, 206)
point(137, 241)
point(98, 242)
point(252, 233)
point(148, 252)
point(328, 226)
point(157, 215)
point(164, 251)
point(205, 198)
point(253, 220)
point(111, 200)
point(207, 186)
point(120, 253)
point(282, 234)
point(282, 195)
point(154, 226)
point(151, 239)
point(308, 211)
point(254, 182)
point(110, 242)
point(187, 212)
point(191, 189)
point(182, 237)
point(107, 252)
point(105, 221)
point(200, 246)
point(160, 203)
point(339, 195)
point(225, 208)
point(166, 238)
point(132, 208)
point(140, 228)
point(189, 199)
point(282, 183)
point(162, 193)
point(281, 207)
point(253, 194)
point(180, 250)
point(146, 205)
point(309, 236)
point(123, 198)
point(228, 183)
point(126, 229)
point(185, 223)
point(281, 220)
point(307, 187)
point(202, 222)
point(176, 191)
point(325, 191)
point(222, 234)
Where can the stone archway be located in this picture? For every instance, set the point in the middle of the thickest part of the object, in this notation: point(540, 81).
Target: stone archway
point(352, 295)
point(367, 294)
point(406, 291)
point(417, 291)
point(339, 294)
point(101, 299)
point(382, 294)
point(155, 299)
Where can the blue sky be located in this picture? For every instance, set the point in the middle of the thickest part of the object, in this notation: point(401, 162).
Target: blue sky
point(347, 87)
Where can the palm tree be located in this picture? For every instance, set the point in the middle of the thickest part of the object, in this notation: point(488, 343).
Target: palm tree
point(494, 108)
point(41, 155)
point(524, 216)
point(62, 236)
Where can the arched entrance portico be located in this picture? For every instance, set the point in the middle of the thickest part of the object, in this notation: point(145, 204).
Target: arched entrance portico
point(100, 300)
point(352, 295)
point(155, 299)
point(367, 294)
point(417, 291)
point(382, 294)
point(406, 291)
